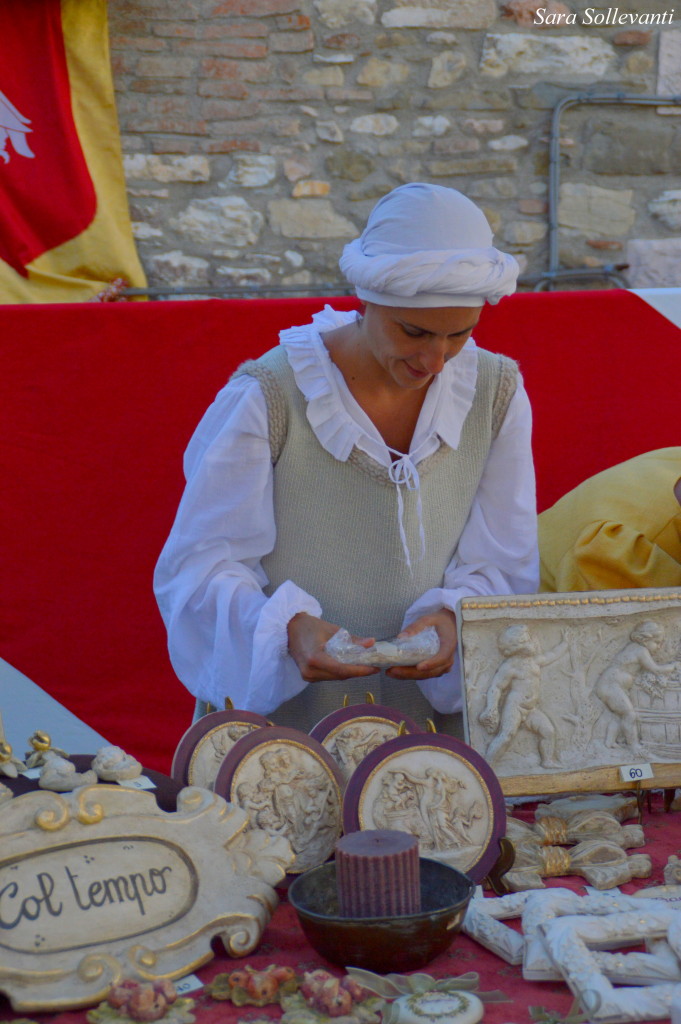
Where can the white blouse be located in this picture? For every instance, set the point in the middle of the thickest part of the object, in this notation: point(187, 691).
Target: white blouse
point(225, 637)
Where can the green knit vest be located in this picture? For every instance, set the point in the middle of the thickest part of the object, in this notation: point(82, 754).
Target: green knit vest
point(338, 533)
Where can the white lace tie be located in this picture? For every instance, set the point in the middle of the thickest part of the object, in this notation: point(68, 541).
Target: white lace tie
point(403, 473)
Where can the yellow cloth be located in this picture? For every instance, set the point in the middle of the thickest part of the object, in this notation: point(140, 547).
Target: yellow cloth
point(82, 267)
point(618, 529)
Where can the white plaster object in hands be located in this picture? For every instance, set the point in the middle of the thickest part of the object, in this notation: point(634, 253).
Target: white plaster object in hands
point(408, 650)
point(112, 764)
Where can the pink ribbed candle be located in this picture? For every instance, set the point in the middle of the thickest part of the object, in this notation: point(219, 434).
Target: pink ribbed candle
point(377, 874)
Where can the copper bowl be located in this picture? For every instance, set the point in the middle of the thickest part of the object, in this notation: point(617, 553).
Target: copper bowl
point(382, 944)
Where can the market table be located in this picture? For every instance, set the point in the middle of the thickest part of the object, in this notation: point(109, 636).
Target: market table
point(284, 943)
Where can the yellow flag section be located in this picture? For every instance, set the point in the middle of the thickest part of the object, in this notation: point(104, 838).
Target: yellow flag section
point(101, 250)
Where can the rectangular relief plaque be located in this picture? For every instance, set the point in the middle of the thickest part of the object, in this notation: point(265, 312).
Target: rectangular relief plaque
point(101, 884)
point(561, 690)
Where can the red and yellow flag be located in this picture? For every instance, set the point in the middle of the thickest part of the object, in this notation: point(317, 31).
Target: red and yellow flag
point(65, 231)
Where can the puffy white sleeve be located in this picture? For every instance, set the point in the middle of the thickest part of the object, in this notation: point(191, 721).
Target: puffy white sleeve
point(225, 637)
point(497, 551)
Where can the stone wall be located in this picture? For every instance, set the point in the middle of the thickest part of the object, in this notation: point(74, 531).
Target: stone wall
point(259, 133)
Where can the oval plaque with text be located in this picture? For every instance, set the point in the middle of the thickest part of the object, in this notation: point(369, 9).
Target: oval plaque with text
point(102, 890)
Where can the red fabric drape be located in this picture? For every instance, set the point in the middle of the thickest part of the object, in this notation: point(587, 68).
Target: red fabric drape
point(46, 193)
point(97, 404)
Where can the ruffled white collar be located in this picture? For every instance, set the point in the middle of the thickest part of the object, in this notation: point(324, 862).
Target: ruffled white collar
point(338, 421)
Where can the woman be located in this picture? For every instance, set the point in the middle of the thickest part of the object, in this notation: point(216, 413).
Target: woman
point(367, 473)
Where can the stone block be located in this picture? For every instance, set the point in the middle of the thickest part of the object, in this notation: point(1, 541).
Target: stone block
point(667, 207)
point(166, 169)
point(145, 232)
point(348, 163)
point(378, 73)
point(508, 143)
point(375, 124)
point(177, 268)
point(542, 96)
point(242, 277)
point(623, 147)
point(291, 42)
point(329, 131)
point(431, 126)
point(339, 13)
point(475, 165)
point(165, 67)
point(219, 220)
point(493, 188)
point(669, 68)
point(342, 41)
point(456, 144)
point(524, 232)
point(524, 12)
point(252, 8)
point(572, 57)
point(446, 68)
point(532, 206)
point(311, 189)
point(478, 99)
point(369, 190)
point(595, 210)
point(440, 14)
point(332, 75)
point(252, 170)
point(653, 262)
point(484, 126)
point(296, 167)
point(308, 218)
point(631, 37)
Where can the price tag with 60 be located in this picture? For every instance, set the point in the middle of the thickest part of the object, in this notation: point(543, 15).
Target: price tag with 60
point(636, 772)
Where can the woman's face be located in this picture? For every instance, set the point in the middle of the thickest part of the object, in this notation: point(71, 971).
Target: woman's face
point(412, 345)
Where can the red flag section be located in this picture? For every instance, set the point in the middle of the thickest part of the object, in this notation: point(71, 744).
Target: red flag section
point(46, 193)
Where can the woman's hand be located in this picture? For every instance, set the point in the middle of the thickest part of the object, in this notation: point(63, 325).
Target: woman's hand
point(444, 622)
point(307, 636)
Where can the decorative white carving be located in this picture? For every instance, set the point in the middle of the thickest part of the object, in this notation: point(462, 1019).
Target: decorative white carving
point(437, 798)
point(603, 864)
point(483, 923)
point(568, 940)
point(577, 828)
point(566, 682)
point(60, 775)
point(286, 791)
point(621, 805)
point(112, 764)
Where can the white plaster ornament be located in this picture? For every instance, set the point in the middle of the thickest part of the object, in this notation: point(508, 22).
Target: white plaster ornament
point(568, 940)
point(112, 764)
point(578, 827)
point(60, 775)
point(483, 922)
point(603, 864)
point(435, 1008)
point(621, 805)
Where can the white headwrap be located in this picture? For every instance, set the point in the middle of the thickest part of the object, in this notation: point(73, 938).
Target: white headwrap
point(427, 245)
